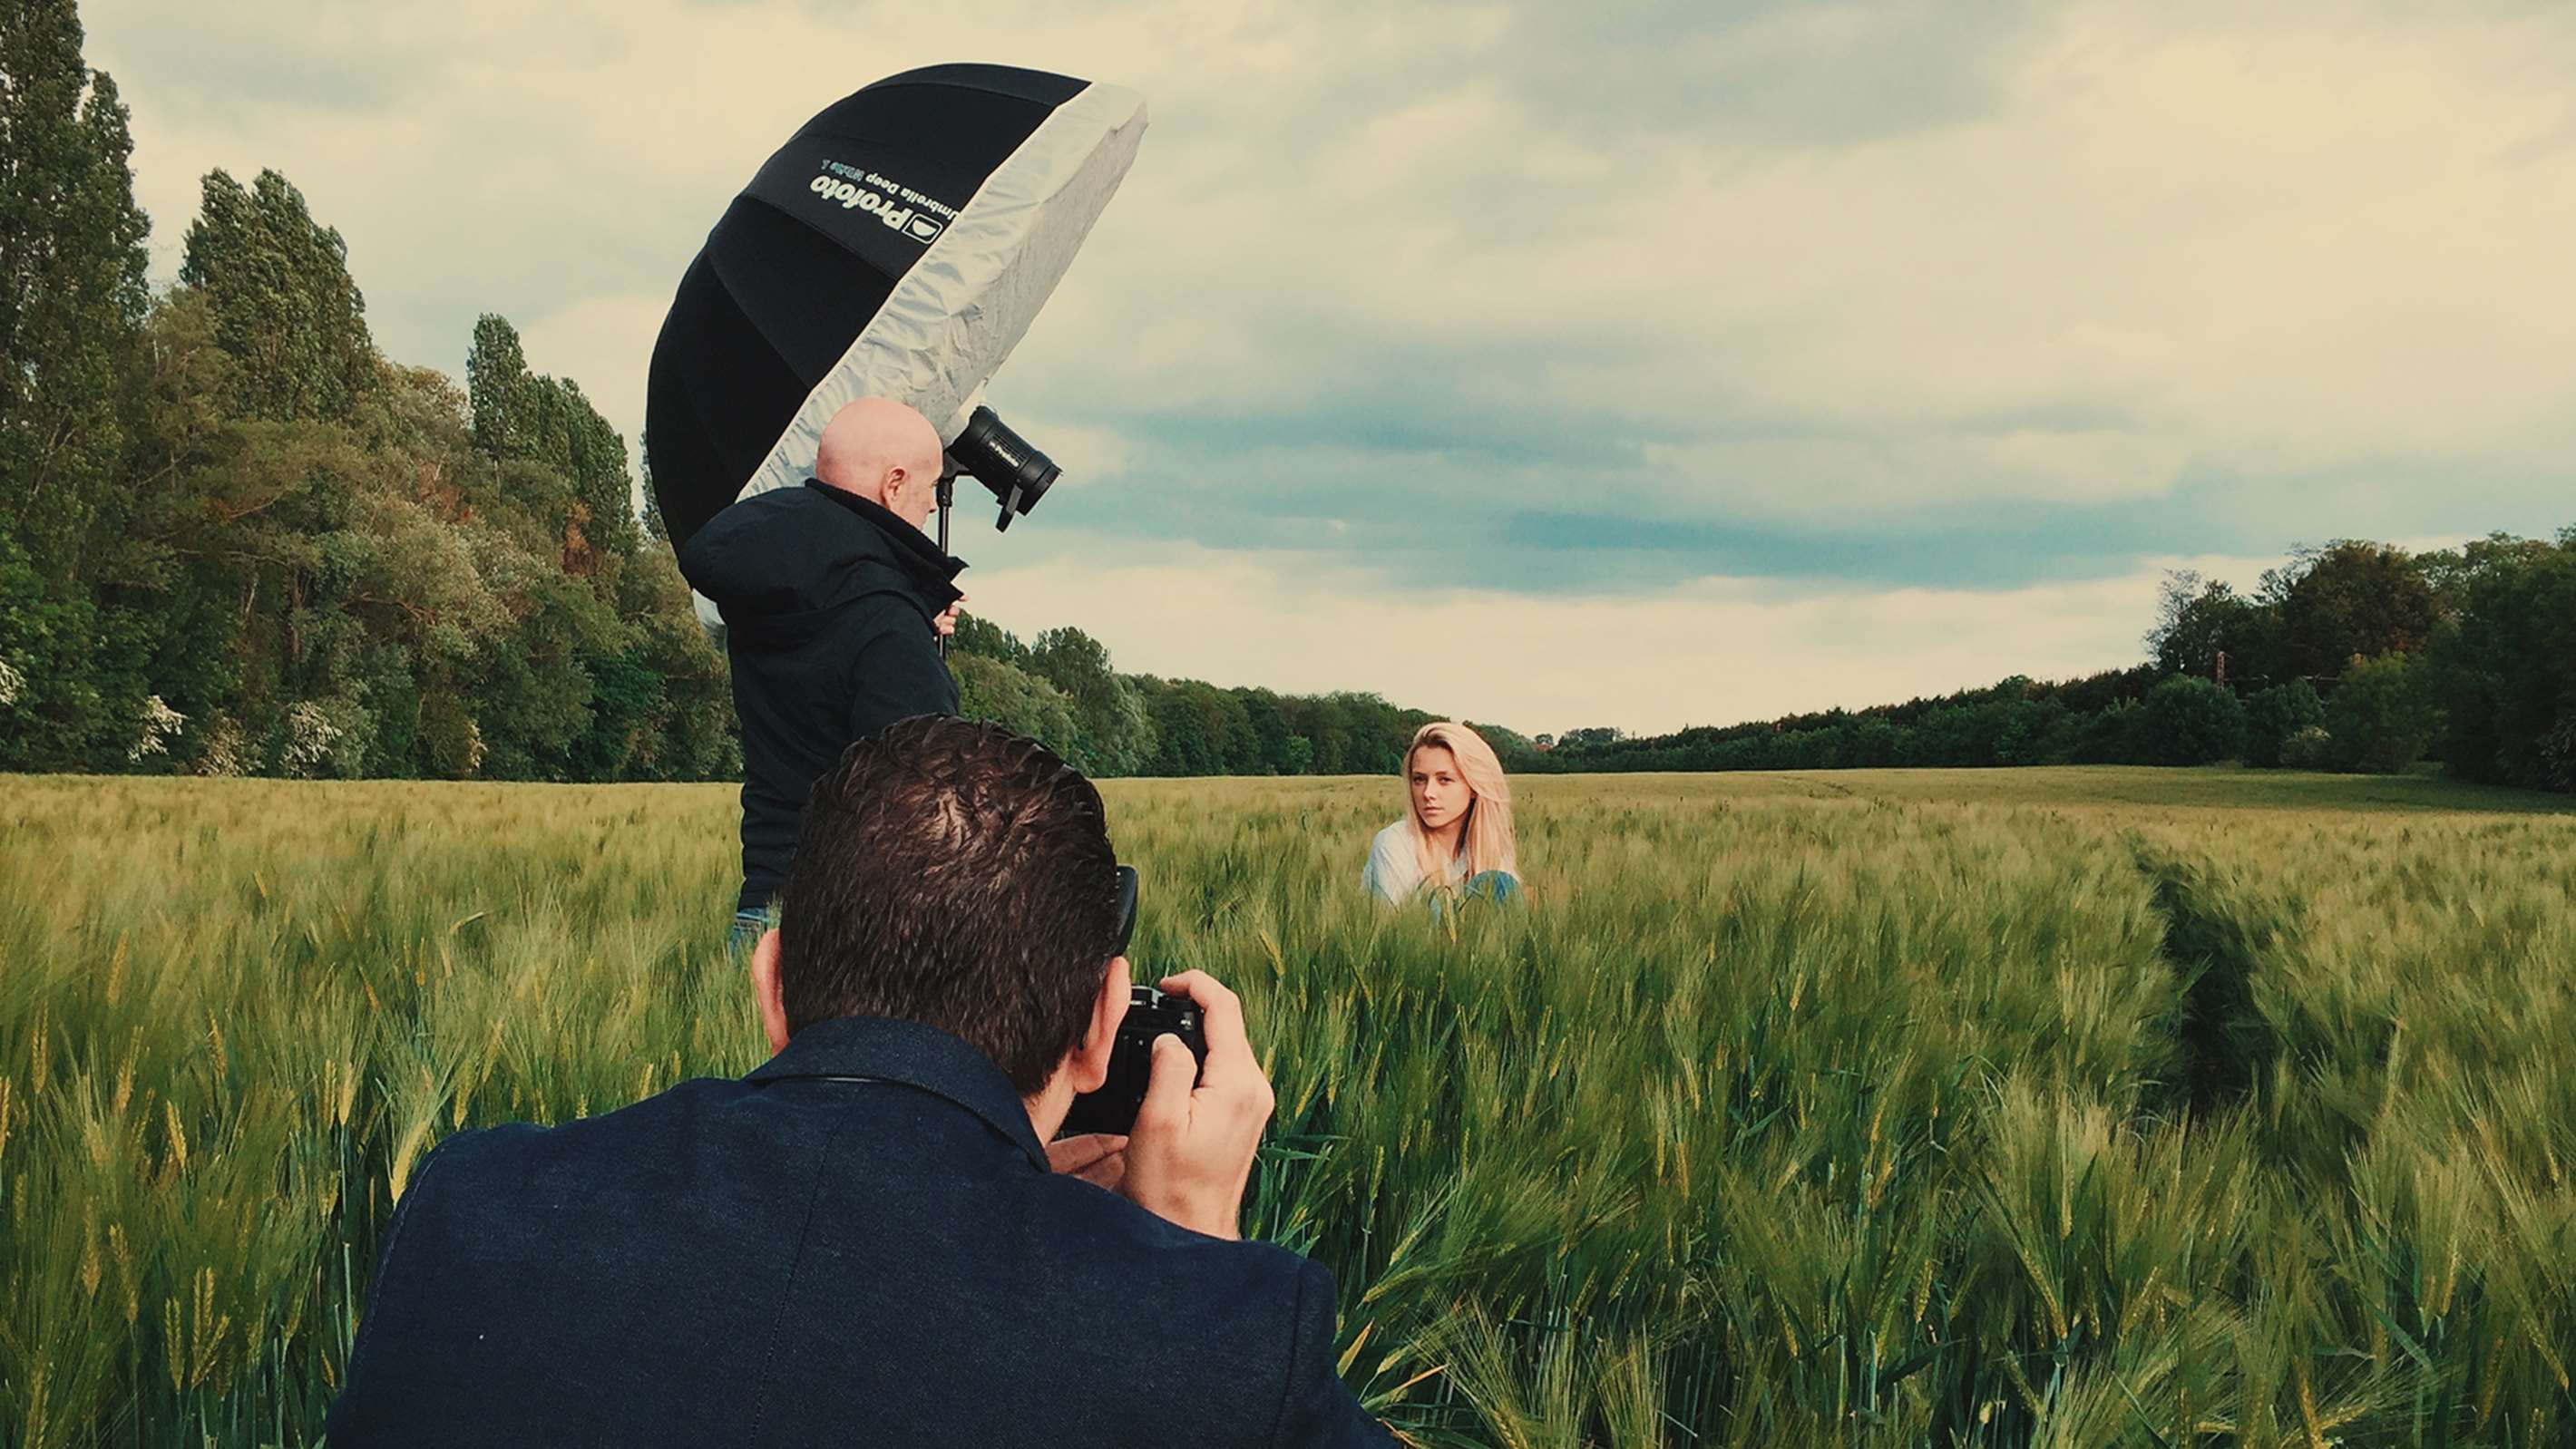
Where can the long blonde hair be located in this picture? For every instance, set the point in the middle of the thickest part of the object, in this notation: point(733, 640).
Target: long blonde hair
point(1486, 837)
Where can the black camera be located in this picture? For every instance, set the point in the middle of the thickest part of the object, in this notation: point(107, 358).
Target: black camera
point(989, 452)
point(1150, 1014)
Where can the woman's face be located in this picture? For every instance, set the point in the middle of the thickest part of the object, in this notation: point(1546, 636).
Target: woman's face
point(1440, 793)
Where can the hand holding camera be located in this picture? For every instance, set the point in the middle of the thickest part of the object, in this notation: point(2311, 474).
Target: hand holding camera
point(1093, 1144)
point(1174, 1125)
point(1190, 1154)
point(1111, 1109)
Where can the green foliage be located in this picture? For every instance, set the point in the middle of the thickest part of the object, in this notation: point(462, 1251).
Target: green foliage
point(689, 733)
point(2351, 599)
point(52, 715)
point(2018, 721)
point(233, 539)
point(2505, 669)
point(285, 307)
point(1131, 724)
point(71, 294)
point(625, 692)
point(1933, 1112)
point(2186, 721)
point(1201, 728)
point(583, 490)
point(979, 636)
point(2383, 715)
point(496, 378)
point(2309, 749)
point(2200, 622)
point(2274, 715)
point(1115, 735)
point(1017, 700)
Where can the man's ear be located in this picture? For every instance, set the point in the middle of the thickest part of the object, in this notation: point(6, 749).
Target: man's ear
point(1090, 1064)
point(766, 990)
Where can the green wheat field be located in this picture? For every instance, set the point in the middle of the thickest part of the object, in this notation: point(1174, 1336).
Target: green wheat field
point(2045, 1107)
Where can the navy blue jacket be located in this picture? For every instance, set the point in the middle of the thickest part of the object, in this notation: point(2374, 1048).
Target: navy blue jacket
point(827, 601)
point(857, 1244)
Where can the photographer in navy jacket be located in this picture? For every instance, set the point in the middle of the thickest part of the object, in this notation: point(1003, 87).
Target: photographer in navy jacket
point(834, 601)
point(864, 1241)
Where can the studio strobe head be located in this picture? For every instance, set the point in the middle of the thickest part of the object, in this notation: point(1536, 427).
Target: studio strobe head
point(1018, 474)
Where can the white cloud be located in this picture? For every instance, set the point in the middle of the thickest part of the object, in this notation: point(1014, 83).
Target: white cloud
point(1781, 478)
point(2292, 240)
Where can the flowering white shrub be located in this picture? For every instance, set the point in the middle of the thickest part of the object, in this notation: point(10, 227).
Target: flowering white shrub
point(12, 683)
point(310, 734)
point(161, 724)
point(224, 754)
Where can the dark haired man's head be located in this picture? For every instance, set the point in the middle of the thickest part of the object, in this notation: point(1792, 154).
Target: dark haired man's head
point(951, 873)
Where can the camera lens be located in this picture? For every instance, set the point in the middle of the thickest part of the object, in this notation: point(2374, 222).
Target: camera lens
point(1003, 461)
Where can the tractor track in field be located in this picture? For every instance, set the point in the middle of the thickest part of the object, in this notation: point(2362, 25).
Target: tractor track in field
point(2214, 945)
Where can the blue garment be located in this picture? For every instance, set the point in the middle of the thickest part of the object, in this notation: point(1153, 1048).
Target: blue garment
point(748, 927)
point(1497, 886)
point(859, 1243)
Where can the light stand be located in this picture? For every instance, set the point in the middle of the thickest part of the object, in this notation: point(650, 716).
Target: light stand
point(947, 496)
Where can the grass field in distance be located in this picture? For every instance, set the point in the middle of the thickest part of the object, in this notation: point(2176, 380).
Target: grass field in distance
point(2075, 1107)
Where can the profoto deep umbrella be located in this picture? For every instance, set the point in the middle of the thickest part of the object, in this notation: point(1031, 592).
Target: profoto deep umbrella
point(897, 246)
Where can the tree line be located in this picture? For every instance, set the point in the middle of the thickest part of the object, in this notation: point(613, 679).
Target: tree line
point(1062, 691)
point(236, 539)
point(2351, 656)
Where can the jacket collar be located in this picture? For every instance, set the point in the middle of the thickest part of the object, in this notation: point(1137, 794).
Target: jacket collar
point(893, 1050)
point(912, 548)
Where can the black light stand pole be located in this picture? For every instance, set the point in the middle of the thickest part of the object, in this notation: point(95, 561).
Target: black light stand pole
point(947, 496)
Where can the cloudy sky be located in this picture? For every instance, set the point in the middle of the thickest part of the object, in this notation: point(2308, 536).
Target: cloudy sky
point(1634, 364)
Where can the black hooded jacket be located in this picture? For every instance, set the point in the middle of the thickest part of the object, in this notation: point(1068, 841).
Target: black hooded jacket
point(827, 600)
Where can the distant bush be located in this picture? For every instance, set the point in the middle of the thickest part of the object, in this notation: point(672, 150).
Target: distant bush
point(2310, 749)
point(2108, 737)
point(2383, 715)
point(2187, 721)
point(2274, 715)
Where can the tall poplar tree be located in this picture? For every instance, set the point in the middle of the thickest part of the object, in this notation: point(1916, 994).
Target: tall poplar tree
point(285, 306)
point(72, 290)
point(72, 296)
point(522, 416)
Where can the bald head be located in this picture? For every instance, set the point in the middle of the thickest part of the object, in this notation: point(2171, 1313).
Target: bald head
point(884, 452)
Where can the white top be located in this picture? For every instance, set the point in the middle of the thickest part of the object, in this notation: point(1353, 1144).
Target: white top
point(1394, 868)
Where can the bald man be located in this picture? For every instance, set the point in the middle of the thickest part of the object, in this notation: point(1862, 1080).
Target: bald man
point(834, 602)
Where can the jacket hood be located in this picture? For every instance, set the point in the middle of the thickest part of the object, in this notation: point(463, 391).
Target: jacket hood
point(809, 550)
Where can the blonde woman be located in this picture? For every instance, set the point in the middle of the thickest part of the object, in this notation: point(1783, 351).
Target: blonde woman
point(1457, 837)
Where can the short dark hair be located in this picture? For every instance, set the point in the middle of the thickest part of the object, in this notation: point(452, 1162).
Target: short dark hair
point(952, 873)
